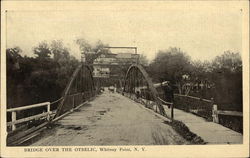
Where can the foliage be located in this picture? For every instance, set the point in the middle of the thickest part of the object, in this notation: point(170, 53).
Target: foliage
point(60, 53)
point(37, 79)
point(42, 50)
point(91, 52)
point(229, 62)
point(143, 60)
point(170, 65)
point(184, 131)
point(220, 79)
point(226, 74)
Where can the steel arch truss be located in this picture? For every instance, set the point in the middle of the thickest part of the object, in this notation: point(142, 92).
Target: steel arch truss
point(139, 86)
point(79, 89)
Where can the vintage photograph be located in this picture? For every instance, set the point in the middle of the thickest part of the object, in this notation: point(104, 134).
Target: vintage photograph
point(110, 75)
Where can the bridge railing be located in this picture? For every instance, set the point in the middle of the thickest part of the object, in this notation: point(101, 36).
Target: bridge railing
point(25, 121)
point(198, 106)
point(80, 88)
point(138, 86)
point(72, 100)
point(230, 119)
point(14, 121)
point(209, 110)
point(145, 98)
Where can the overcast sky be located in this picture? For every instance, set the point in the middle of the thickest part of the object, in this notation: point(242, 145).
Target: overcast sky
point(202, 31)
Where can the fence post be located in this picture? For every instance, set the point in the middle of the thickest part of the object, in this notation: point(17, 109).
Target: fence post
point(13, 118)
point(172, 111)
point(215, 114)
point(48, 110)
point(83, 98)
point(73, 101)
point(48, 107)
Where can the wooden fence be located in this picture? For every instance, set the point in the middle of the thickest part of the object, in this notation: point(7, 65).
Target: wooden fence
point(73, 100)
point(14, 111)
point(230, 119)
point(198, 106)
point(209, 110)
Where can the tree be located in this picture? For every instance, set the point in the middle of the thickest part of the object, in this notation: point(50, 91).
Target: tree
point(65, 64)
point(227, 75)
point(91, 52)
point(60, 53)
point(170, 65)
point(43, 50)
point(198, 80)
point(36, 79)
point(14, 75)
point(228, 61)
point(83, 45)
point(13, 57)
point(143, 60)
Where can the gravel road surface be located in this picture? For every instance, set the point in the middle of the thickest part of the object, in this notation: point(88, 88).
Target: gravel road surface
point(110, 119)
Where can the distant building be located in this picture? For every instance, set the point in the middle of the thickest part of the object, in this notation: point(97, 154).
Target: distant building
point(127, 58)
point(102, 64)
point(102, 72)
point(104, 59)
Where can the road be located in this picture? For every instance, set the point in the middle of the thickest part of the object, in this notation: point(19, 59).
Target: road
point(110, 119)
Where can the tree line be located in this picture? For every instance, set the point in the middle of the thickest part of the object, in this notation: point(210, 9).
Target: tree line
point(40, 78)
point(43, 77)
point(220, 78)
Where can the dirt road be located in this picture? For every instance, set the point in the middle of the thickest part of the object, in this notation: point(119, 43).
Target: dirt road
point(111, 119)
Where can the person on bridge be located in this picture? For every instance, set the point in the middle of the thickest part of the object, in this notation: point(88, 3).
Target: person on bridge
point(168, 92)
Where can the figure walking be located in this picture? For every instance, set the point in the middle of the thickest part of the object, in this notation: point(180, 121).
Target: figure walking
point(168, 92)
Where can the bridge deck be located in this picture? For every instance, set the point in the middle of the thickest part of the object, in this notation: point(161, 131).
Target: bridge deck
point(111, 119)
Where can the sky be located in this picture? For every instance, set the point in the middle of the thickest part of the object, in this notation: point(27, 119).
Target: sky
point(202, 31)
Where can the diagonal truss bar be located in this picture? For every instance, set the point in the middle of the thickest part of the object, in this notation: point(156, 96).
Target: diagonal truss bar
point(131, 79)
point(81, 83)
